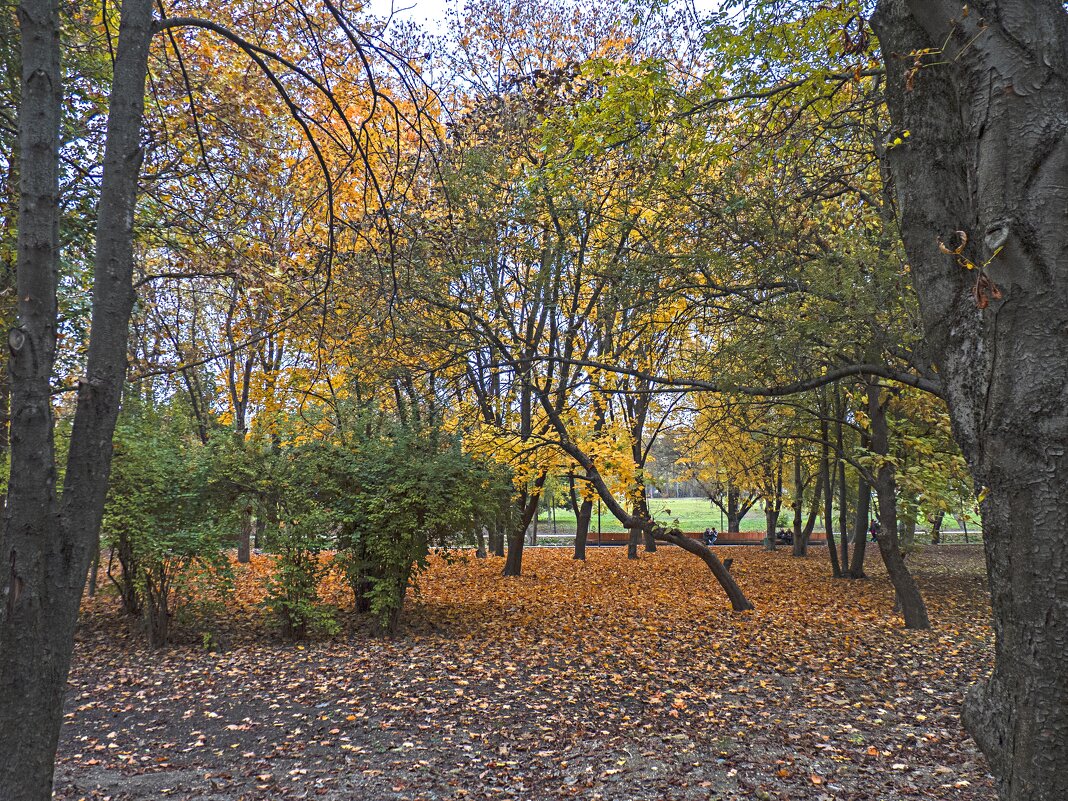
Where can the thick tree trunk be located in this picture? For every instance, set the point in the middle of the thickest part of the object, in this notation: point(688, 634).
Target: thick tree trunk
point(843, 485)
point(496, 540)
point(480, 541)
point(513, 565)
point(987, 155)
point(634, 537)
point(583, 509)
point(771, 517)
point(46, 542)
point(801, 540)
point(798, 502)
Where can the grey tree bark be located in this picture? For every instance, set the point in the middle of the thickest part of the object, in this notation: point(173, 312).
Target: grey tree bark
point(983, 172)
point(909, 598)
point(46, 541)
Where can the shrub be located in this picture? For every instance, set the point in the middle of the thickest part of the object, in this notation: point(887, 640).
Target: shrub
point(157, 520)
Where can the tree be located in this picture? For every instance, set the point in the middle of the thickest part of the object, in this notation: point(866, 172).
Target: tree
point(978, 95)
point(48, 537)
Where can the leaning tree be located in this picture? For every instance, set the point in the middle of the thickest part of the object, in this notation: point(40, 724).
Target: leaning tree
point(978, 95)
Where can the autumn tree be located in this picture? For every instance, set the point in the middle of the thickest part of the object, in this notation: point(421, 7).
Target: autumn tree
point(981, 91)
point(47, 537)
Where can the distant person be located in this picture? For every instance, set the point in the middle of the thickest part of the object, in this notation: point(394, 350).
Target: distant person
point(711, 535)
point(874, 530)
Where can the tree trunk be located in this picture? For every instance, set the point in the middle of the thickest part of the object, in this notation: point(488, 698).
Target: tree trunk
point(634, 537)
point(936, 528)
point(771, 518)
point(828, 503)
point(737, 598)
point(735, 510)
point(801, 540)
point(843, 485)
point(798, 501)
point(860, 529)
point(513, 565)
point(909, 599)
point(46, 542)
point(480, 540)
point(582, 528)
point(987, 155)
point(496, 540)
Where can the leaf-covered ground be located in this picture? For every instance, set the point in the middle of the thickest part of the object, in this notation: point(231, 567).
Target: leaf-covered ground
point(607, 679)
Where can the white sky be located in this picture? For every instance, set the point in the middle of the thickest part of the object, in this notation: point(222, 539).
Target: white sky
point(429, 13)
point(426, 13)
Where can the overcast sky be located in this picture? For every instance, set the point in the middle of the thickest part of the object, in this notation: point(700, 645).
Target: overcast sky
point(429, 13)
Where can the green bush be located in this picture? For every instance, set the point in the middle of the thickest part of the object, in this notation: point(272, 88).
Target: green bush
point(409, 491)
point(158, 520)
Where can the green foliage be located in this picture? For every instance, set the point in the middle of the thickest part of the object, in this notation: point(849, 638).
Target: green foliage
point(157, 519)
point(293, 588)
point(408, 491)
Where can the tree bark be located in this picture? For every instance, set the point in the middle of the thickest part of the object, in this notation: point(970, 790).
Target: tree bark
point(987, 155)
point(828, 503)
point(860, 529)
point(799, 502)
point(736, 510)
point(936, 528)
point(46, 542)
point(771, 518)
point(737, 598)
point(582, 528)
point(513, 564)
point(577, 506)
point(909, 599)
point(843, 485)
point(801, 540)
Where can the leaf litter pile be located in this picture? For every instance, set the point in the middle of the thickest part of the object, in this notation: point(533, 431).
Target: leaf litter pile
point(609, 679)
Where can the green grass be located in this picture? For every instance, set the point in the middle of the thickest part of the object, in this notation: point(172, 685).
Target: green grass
point(692, 514)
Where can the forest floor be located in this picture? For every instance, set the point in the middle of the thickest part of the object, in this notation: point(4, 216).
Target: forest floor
point(611, 679)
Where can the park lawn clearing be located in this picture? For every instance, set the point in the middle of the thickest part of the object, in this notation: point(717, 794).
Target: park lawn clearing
point(610, 679)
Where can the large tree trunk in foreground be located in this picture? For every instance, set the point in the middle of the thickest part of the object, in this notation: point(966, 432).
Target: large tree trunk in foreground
point(46, 542)
point(987, 155)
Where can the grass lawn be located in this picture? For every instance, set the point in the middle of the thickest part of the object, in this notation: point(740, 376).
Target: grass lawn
point(692, 514)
